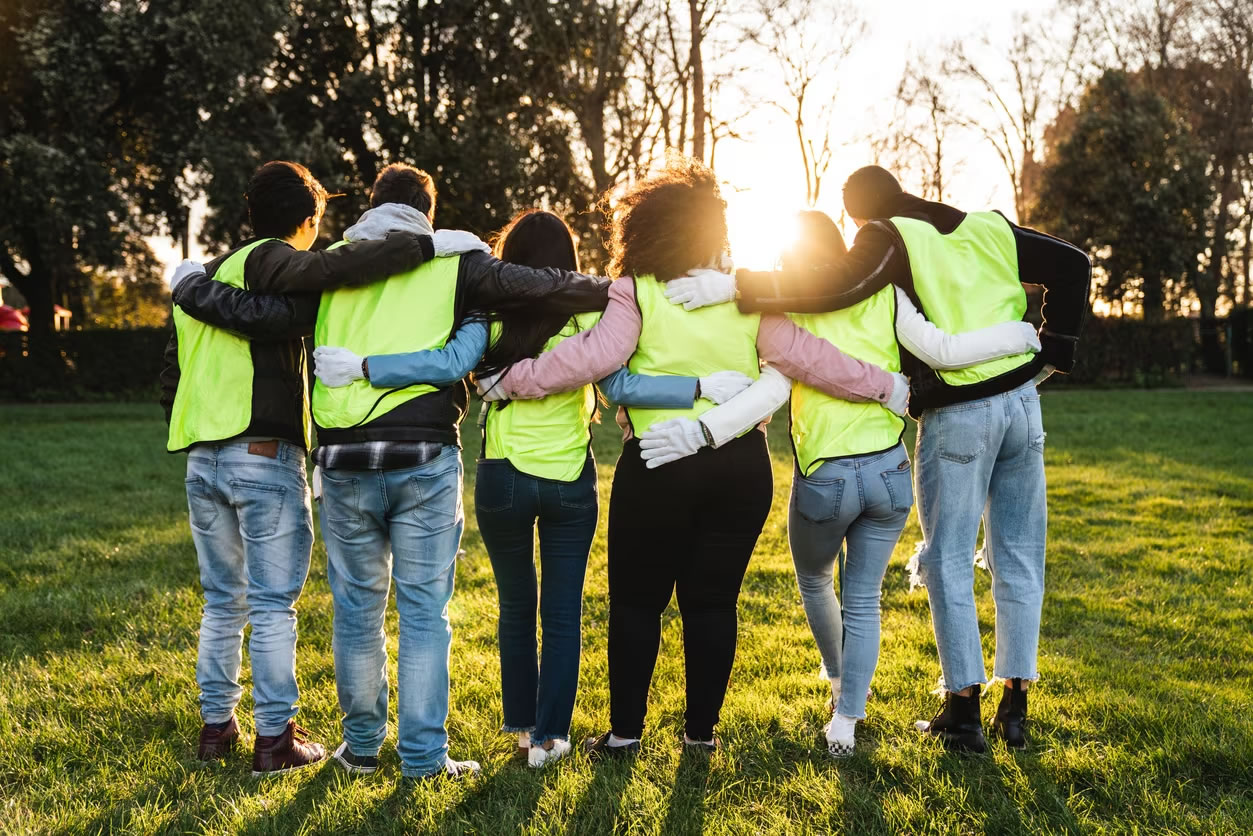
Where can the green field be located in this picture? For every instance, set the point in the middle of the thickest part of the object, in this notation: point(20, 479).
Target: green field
point(1143, 720)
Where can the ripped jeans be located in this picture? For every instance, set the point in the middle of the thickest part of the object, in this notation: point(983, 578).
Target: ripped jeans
point(983, 459)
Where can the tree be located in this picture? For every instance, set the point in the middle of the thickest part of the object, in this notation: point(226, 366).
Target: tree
point(914, 142)
point(1128, 182)
point(98, 106)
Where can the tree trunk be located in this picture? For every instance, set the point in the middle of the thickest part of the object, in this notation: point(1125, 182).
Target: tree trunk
point(698, 82)
point(1212, 355)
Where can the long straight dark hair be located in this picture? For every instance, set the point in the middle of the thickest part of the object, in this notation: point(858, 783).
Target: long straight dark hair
point(534, 238)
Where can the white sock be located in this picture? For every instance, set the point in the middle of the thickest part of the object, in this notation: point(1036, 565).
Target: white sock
point(614, 740)
point(524, 740)
point(687, 739)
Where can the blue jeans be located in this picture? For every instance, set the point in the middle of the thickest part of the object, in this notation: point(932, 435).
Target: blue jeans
point(253, 530)
point(984, 459)
point(861, 502)
point(538, 695)
point(379, 526)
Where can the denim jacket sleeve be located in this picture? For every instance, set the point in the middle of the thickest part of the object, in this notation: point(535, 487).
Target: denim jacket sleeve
point(627, 388)
point(438, 366)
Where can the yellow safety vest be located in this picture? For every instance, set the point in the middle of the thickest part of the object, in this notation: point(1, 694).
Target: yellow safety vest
point(675, 341)
point(411, 311)
point(546, 437)
point(214, 397)
point(967, 280)
point(824, 427)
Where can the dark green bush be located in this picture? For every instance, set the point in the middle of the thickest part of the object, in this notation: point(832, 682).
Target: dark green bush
point(88, 365)
point(1132, 352)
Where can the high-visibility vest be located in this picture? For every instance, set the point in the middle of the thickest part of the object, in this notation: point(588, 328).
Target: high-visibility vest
point(546, 437)
point(675, 341)
point(824, 427)
point(967, 280)
point(412, 311)
point(214, 397)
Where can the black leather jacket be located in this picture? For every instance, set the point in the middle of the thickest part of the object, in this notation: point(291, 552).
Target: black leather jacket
point(277, 323)
point(484, 284)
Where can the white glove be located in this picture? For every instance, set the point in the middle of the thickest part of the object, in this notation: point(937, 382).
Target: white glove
point(1031, 337)
point(700, 288)
point(1043, 374)
point(456, 241)
point(336, 366)
point(489, 387)
point(670, 441)
point(721, 387)
point(185, 268)
point(899, 400)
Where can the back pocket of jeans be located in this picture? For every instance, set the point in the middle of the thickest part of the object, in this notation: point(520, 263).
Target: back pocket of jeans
point(259, 506)
point(341, 505)
point(493, 486)
point(439, 499)
point(817, 500)
point(964, 430)
point(202, 510)
point(900, 484)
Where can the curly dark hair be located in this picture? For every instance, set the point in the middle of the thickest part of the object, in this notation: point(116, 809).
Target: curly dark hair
point(668, 224)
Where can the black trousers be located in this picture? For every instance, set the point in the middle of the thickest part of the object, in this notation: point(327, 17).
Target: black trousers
point(690, 525)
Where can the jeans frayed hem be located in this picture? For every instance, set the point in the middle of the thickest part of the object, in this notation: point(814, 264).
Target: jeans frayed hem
point(942, 687)
point(540, 741)
point(517, 729)
point(996, 677)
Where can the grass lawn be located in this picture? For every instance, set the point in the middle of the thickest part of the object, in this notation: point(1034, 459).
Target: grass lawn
point(1143, 720)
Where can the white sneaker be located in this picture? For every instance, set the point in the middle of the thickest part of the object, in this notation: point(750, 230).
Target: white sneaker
point(840, 733)
point(539, 756)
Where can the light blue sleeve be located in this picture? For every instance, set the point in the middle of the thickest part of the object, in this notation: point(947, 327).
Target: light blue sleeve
point(437, 366)
point(627, 388)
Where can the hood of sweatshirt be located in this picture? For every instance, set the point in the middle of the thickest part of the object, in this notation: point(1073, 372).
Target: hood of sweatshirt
point(390, 217)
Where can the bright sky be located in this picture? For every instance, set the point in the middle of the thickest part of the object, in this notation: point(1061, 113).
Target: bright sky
point(765, 182)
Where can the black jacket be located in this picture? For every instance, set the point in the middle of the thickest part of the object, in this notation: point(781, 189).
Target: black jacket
point(485, 285)
point(878, 258)
point(276, 323)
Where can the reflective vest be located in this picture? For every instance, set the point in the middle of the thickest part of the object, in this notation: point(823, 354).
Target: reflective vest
point(412, 311)
point(967, 280)
point(674, 341)
point(824, 427)
point(214, 397)
point(547, 437)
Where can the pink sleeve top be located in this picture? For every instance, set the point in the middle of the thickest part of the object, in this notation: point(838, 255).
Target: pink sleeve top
point(815, 362)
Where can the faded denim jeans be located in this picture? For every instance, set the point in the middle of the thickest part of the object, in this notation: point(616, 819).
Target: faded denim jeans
point(983, 459)
point(849, 511)
point(380, 526)
point(253, 530)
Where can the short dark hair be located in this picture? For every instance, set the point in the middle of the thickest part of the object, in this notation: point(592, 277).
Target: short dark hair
point(403, 183)
point(281, 196)
point(669, 223)
point(869, 192)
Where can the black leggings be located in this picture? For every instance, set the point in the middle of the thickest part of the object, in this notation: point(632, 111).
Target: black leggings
point(690, 524)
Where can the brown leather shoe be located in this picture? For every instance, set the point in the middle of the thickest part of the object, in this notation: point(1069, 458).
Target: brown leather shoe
point(216, 744)
point(289, 750)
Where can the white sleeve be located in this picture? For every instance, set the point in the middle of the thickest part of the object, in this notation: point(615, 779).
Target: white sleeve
point(749, 408)
point(941, 350)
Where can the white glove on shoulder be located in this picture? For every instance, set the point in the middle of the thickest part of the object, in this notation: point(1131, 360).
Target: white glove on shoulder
point(489, 386)
point(670, 441)
point(1030, 336)
point(899, 401)
point(721, 387)
point(700, 288)
point(456, 241)
point(185, 268)
point(336, 366)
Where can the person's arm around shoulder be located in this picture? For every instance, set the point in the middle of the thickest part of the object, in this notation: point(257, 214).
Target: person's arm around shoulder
point(815, 362)
point(627, 388)
point(941, 350)
point(491, 284)
point(256, 316)
point(337, 366)
point(277, 267)
point(1065, 272)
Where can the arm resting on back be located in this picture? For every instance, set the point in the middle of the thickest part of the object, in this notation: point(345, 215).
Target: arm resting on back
point(815, 362)
point(874, 262)
point(749, 408)
point(437, 366)
point(257, 316)
point(941, 350)
point(276, 267)
point(490, 284)
point(626, 388)
point(584, 358)
point(1065, 272)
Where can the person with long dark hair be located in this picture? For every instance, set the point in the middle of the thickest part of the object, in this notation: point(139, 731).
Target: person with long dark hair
point(692, 527)
point(536, 472)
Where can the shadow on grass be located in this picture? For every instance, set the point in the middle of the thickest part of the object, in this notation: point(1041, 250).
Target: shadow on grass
point(686, 811)
point(597, 810)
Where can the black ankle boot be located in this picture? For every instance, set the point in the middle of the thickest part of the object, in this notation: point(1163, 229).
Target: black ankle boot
point(958, 725)
point(1010, 723)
